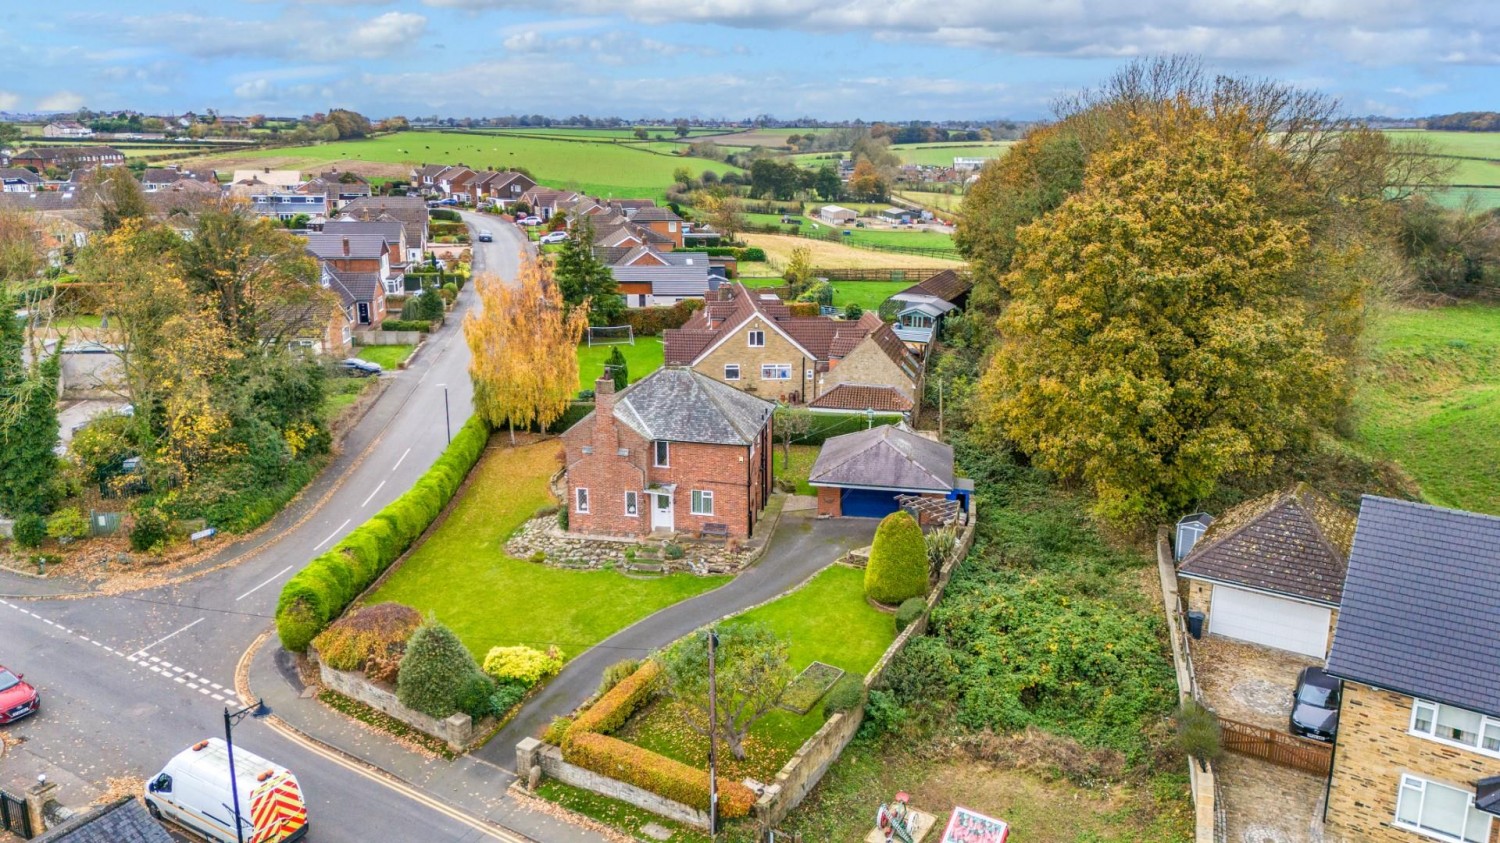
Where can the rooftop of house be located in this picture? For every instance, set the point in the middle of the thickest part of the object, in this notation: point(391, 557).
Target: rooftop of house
point(369, 246)
point(411, 211)
point(859, 397)
point(122, 821)
point(652, 213)
point(680, 405)
point(69, 153)
point(947, 285)
point(391, 230)
point(19, 174)
point(1293, 542)
point(283, 178)
point(353, 287)
point(884, 457)
point(1421, 607)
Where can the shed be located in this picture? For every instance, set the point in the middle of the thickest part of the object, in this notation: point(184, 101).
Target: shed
point(861, 474)
point(837, 214)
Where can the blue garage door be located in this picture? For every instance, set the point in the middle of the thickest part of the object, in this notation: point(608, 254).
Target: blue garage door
point(867, 503)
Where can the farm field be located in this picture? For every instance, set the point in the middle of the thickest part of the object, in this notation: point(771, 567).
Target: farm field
point(941, 201)
point(624, 133)
point(942, 154)
point(1430, 401)
point(760, 137)
point(1465, 144)
point(778, 248)
point(604, 169)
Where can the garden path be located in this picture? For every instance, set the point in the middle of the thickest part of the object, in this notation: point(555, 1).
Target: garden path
point(801, 547)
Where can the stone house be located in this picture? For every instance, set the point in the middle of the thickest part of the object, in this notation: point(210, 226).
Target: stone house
point(673, 452)
point(1418, 752)
point(1271, 571)
point(750, 340)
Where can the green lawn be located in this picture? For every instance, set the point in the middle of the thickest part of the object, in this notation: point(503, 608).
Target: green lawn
point(1430, 401)
point(77, 320)
point(942, 154)
point(599, 168)
point(867, 294)
point(803, 457)
point(341, 393)
point(462, 574)
point(388, 356)
point(641, 359)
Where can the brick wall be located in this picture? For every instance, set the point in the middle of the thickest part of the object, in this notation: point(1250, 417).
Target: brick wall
point(830, 502)
point(1374, 750)
point(737, 349)
point(1200, 599)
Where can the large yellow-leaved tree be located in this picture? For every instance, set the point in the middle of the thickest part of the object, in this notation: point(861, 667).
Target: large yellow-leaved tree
point(525, 349)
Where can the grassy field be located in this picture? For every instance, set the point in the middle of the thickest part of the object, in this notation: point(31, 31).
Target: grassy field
point(761, 137)
point(641, 359)
point(939, 201)
point(602, 134)
point(779, 247)
point(1430, 401)
point(942, 154)
point(388, 356)
point(1465, 144)
point(462, 574)
point(603, 169)
point(910, 238)
point(867, 294)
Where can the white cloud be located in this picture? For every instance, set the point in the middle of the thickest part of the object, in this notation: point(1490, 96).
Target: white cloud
point(256, 89)
point(614, 48)
point(387, 32)
point(8, 100)
point(60, 101)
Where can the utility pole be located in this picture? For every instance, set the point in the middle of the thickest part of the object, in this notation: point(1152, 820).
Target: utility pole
point(231, 718)
point(940, 409)
point(713, 729)
point(447, 419)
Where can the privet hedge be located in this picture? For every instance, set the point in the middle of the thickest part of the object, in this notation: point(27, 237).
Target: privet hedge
point(320, 592)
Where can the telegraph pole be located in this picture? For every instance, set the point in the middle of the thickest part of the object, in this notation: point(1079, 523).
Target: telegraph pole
point(713, 728)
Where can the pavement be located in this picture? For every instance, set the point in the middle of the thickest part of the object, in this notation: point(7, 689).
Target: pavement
point(801, 547)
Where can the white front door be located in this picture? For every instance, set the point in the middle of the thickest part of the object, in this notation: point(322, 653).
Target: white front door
point(661, 512)
point(1272, 621)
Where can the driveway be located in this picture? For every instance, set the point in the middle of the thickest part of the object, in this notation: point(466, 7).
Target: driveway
point(1264, 803)
point(801, 547)
point(1248, 682)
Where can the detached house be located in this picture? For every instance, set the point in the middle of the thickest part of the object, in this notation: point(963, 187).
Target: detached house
point(410, 211)
point(659, 220)
point(1418, 752)
point(358, 268)
point(674, 452)
point(341, 188)
point(66, 129)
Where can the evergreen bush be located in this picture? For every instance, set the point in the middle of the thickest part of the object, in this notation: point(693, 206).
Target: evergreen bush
point(847, 694)
point(150, 531)
point(29, 531)
point(898, 561)
point(911, 609)
point(67, 524)
point(437, 673)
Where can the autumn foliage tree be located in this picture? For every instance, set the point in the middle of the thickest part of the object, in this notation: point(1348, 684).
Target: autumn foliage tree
point(752, 670)
point(524, 344)
point(1156, 338)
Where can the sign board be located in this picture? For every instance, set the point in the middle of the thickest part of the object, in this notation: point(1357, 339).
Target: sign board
point(203, 534)
point(967, 826)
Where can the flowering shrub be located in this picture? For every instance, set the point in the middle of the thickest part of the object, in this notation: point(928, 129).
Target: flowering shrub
point(524, 665)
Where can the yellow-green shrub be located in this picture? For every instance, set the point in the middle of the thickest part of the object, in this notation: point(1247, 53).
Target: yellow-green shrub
point(657, 773)
point(525, 665)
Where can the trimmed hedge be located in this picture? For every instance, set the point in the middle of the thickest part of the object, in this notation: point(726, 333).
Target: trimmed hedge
point(651, 321)
point(320, 592)
point(657, 773)
point(825, 425)
point(898, 560)
point(615, 707)
point(406, 325)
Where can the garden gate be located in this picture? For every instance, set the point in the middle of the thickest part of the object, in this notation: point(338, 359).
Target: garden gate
point(13, 815)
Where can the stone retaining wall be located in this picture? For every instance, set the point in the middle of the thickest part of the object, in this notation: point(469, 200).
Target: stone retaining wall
point(457, 729)
point(531, 752)
point(388, 337)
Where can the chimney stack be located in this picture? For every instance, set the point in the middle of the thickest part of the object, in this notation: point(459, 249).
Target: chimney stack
point(346, 247)
point(605, 440)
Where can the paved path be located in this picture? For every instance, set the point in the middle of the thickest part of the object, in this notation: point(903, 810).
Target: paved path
point(800, 548)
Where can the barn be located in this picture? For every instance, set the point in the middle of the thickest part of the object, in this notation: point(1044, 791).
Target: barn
point(861, 474)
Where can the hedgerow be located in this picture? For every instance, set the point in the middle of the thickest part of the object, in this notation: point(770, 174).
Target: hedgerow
point(657, 773)
point(320, 592)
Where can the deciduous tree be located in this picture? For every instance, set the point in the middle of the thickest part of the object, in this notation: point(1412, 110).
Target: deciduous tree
point(751, 672)
point(525, 349)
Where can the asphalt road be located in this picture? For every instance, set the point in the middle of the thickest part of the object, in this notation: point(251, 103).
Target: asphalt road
point(128, 681)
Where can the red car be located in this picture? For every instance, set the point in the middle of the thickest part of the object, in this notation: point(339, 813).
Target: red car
point(17, 698)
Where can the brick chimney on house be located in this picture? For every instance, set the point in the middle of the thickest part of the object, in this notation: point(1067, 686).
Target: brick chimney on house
point(346, 247)
point(605, 440)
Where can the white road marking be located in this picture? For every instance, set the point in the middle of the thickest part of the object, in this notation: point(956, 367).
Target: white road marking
point(398, 462)
point(332, 534)
point(143, 650)
point(266, 583)
point(179, 679)
point(372, 494)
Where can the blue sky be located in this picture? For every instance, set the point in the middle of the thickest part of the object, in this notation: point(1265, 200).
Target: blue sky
point(832, 59)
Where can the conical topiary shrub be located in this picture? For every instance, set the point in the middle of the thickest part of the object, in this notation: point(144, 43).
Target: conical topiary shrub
point(898, 561)
point(434, 671)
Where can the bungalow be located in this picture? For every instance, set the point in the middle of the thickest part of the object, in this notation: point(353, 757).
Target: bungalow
point(15, 180)
point(1418, 752)
point(867, 474)
point(922, 306)
point(66, 129)
point(674, 452)
point(286, 180)
point(1271, 571)
point(45, 158)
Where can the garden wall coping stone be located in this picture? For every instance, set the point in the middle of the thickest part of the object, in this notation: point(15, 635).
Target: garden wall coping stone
point(456, 729)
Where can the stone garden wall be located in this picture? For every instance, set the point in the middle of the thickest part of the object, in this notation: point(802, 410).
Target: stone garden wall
point(457, 730)
point(532, 752)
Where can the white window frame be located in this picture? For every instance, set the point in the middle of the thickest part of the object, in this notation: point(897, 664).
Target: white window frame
point(1487, 726)
point(752, 336)
point(699, 498)
point(728, 367)
point(661, 454)
point(581, 500)
point(770, 371)
point(1420, 786)
point(632, 504)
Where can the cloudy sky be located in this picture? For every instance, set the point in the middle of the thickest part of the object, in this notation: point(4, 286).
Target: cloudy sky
point(833, 59)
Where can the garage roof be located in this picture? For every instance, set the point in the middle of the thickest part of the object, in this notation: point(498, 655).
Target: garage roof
point(1293, 542)
point(1421, 611)
point(884, 457)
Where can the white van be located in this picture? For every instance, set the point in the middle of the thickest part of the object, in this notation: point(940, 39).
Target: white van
point(193, 791)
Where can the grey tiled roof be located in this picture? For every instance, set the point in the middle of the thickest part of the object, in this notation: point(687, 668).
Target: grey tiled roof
point(125, 821)
point(666, 280)
point(680, 405)
point(368, 246)
point(391, 230)
point(885, 457)
point(1421, 609)
point(353, 287)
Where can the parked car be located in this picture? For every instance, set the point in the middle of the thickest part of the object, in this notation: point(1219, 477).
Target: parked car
point(531, 220)
point(1315, 705)
point(358, 368)
point(17, 697)
point(554, 237)
point(485, 236)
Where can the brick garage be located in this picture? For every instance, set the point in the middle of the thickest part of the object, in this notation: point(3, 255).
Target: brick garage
point(677, 451)
point(861, 474)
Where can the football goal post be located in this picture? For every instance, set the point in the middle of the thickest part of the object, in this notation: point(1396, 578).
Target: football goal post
point(611, 335)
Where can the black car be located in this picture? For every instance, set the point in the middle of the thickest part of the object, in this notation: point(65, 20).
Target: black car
point(358, 368)
point(1315, 705)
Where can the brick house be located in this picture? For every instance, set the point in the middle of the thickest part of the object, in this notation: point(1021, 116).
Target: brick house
point(1271, 570)
point(675, 452)
point(45, 158)
point(1418, 751)
point(660, 220)
point(749, 340)
point(410, 211)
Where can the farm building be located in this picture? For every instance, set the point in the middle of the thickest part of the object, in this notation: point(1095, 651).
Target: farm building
point(836, 215)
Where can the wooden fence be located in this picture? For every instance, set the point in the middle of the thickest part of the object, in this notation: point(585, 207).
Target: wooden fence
point(1277, 747)
point(914, 276)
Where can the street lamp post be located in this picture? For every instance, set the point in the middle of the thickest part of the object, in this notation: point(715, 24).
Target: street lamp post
point(231, 718)
point(447, 419)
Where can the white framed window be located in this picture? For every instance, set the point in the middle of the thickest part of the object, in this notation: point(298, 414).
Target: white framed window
point(1452, 725)
point(731, 371)
point(776, 371)
point(703, 502)
point(757, 339)
point(581, 499)
point(632, 504)
point(662, 454)
point(1439, 811)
